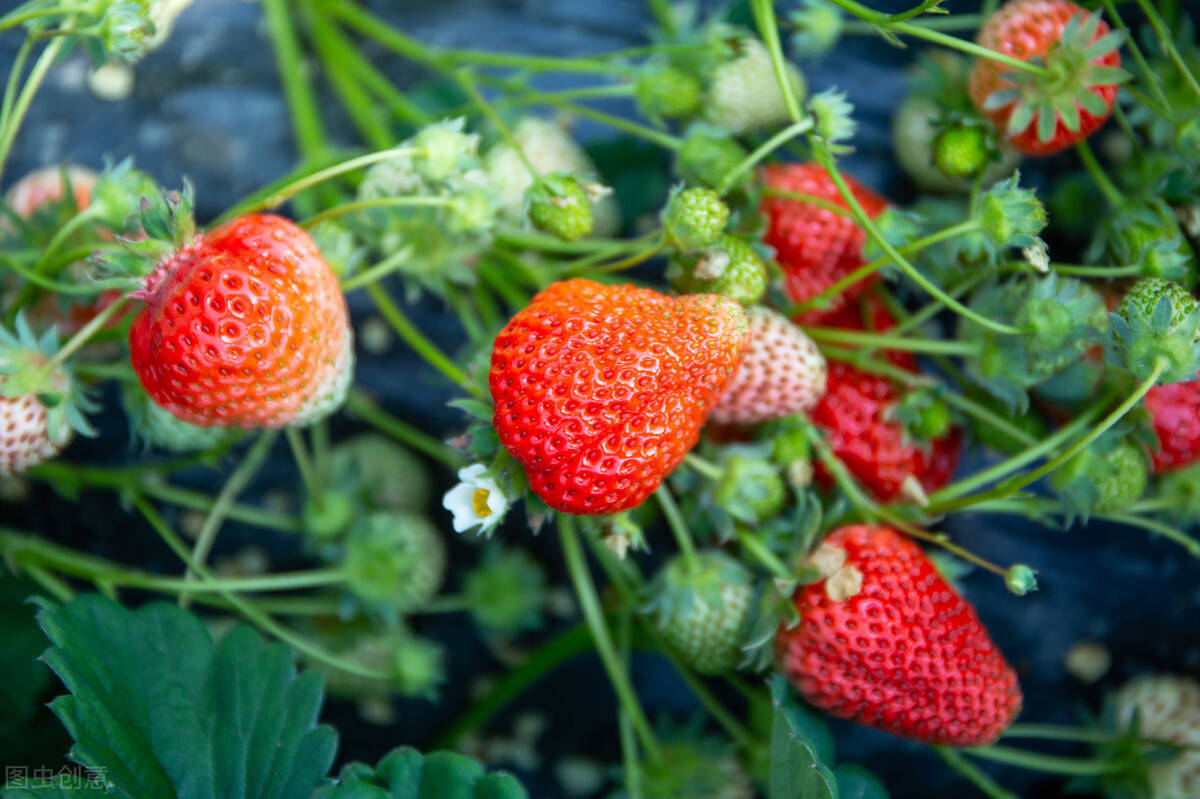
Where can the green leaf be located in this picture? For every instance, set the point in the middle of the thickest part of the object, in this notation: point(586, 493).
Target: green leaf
point(20, 644)
point(168, 713)
point(405, 773)
point(855, 782)
point(796, 771)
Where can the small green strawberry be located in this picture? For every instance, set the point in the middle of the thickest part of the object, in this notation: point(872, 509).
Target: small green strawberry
point(558, 205)
point(730, 267)
point(376, 473)
point(923, 415)
point(1107, 477)
point(395, 561)
point(961, 151)
point(327, 516)
point(1157, 328)
point(694, 218)
point(702, 608)
point(707, 155)
point(506, 591)
point(415, 665)
point(663, 90)
point(696, 767)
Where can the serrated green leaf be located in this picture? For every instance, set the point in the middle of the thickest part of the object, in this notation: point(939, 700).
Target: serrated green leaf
point(405, 773)
point(855, 782)
point(166, 712)
point(796, 771)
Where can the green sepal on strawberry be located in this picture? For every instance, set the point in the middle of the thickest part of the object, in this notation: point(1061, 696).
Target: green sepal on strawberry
point(729, 267)
point(559, 205)
point(701, 607)
point(751, 488)
point(1059, 319)
point(1157, 327)
point(694, 218)
point(1107, 477)
point(1009, 218)
point(156, 427)
point(1044, 112)
point(1146, 234)
point(40, 408)
point(816, 27)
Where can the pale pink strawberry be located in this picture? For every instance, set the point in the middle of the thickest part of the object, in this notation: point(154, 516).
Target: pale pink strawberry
point(782, 374)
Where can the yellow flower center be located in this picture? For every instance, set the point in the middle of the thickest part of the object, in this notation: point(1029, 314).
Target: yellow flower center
point(479, 502)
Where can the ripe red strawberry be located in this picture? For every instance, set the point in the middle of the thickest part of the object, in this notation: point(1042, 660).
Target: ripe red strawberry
point(884, 641)
point(856, 415)
point(815, 247)
point(245, 327)
point(601, 390)
point(782, 374)
point(1029, 109)
point(1175, 413)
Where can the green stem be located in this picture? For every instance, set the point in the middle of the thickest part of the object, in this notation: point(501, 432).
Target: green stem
point(764, 18)
point(759, 551)
point(370, 77)
point(363, 112)
point(359, 405)
point(664, 14)
point(304, 463)
point(975, 775)
point(195, 500)
point(630, 757)
point(55, 586)
point(65, 232)
point(955, 23)
point(83, 336)
point(11, 122)
point(1168, 44)
point(1140, 58)
point(1010, 487)
point(1036, 761)
point(987, 416)
point(234, 485)
point(657, 137)
point(825, 157)
point(465, 80)
point(1103, 272)
point(807, 199)
point(1165, 530)
point(625, 263)
point(679, 528)
point(765, 149)
point(589, 603)
point(289, 191)
point(418, 342)
point(377, 272)
point(839, 335)
point(704, 467)
point(1111, 193)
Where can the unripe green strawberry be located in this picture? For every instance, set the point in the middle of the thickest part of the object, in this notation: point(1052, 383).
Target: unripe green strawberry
point(1156, 326)
point(327, 516)
point(707, 155)
point(744, 93)
point(376, 473)
point(702, 613)
point(395, 561)
point(158, 427)
point(696, 768)
point(695, 218)
point(558, 205)
point(1107, 477)
point(924, 416)
point(663, 90)
point(506, 591)
point(414, 665)
point(961, 151)
point(730, 268)
point(751, 489)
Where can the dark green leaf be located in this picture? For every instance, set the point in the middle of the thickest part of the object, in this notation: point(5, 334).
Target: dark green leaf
point(796, 771)
point(168, 713)
point(405, 773)
point(855, 782)
point(20, 644)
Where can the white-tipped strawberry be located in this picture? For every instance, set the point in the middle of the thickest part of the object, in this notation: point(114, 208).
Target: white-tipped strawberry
point(1166, 707)
point(40, 408)
point(782, 374)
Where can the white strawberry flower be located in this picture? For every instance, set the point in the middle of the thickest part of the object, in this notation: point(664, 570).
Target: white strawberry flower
point(476, 501)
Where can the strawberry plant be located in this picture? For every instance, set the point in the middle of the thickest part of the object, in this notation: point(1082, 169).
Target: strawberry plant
point(629, 399)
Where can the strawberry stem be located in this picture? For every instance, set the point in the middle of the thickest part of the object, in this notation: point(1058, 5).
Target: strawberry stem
point(236, 482)
point(589, 603)
point(625, 730)
point(755, 547)
point(975, 775)
point(304, 464)
point(377, 202)
point(1036, 761)
point(363, 407)
point(1167, 42)
point(1165, 530)
point(82, 337)
point(465, 80)
point(418, 342)
point(10, 123)
point(1111, 193)
point(679, 528)
point(768, 29)
point(839, 335)
point(766, 148)
point(287, 192)
point(705, 468)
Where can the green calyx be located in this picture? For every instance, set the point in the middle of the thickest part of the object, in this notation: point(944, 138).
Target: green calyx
point(922, 415)
point(395, 561)
point(816, 27)
point(730, 268)
point(707, 155)
point(962, 150)
point(694, 218)
point(23, 361)
point(166, 218)
point(558, 205)
point(1059, 319)
point(1147, 235)
point(1010, 216)
point(1020, 579)
point(832, 120)
point(664, 90)
point(751, 489)
point(1071, 72)
point(1157, 324)
point(1107, 477)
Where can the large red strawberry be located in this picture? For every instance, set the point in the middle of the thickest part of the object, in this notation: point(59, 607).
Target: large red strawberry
point(245, 326)
point(856, 414)
point(601, 390)
point(884, 641)
point(815, 246)
point(1043, 114)
point(1175, 412)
